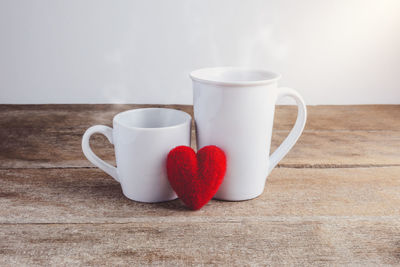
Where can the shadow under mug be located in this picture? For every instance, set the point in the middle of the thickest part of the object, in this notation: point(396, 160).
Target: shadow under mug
point(142, 139)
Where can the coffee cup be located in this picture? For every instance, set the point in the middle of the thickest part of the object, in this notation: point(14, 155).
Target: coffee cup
point(234, 110)
point(142, 139)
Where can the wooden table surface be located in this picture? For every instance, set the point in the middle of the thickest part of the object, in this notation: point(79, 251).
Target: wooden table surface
point(333, 200)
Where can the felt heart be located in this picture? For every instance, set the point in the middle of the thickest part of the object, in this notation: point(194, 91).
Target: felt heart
point(196, 179)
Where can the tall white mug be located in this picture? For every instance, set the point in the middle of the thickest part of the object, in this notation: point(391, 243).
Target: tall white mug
point(234, 110)
point(142, 139)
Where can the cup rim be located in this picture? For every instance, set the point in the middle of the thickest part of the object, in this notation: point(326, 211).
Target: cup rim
point(205, 75)
point(186, 118)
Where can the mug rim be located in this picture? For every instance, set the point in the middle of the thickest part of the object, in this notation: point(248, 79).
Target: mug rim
point(207, 75)
point(186, 118)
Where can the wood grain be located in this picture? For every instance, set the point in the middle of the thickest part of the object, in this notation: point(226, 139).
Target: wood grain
point(50, 136)
point(342, 149)
point(323, 118)
point(334, 200)
point(242, 242)
point(342, 118)
point(90, 196)
point(24, 148)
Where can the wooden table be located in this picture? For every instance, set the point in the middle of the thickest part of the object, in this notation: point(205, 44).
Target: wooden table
point(334, 199)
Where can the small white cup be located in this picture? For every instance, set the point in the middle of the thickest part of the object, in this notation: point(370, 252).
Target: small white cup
point(142, 139)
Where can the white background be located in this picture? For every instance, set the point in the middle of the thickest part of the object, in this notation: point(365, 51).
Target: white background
point(141, 51)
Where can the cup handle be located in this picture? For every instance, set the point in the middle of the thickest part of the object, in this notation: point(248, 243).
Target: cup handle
point(296, 131)
point(93, 158)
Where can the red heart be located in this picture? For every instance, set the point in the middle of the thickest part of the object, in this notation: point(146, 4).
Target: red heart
point(196, 179)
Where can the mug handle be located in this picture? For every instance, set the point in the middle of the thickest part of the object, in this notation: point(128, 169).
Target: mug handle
point(296, 131)
point(107, 132)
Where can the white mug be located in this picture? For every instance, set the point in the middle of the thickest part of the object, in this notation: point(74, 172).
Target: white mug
point(142, 139)
point(234, 110)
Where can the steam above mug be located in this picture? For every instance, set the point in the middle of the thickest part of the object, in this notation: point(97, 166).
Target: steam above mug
point(234, 110)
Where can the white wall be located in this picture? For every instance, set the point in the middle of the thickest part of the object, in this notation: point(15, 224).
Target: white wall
point(141, 51)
